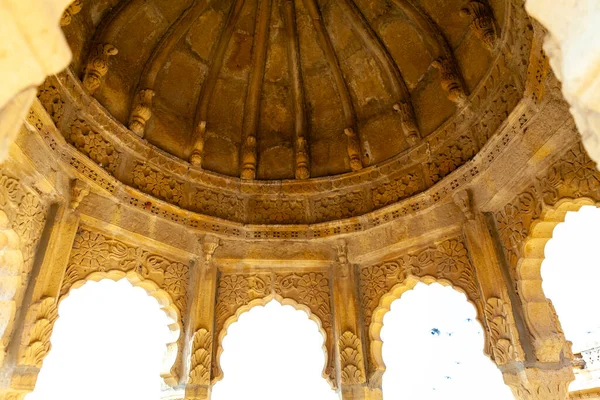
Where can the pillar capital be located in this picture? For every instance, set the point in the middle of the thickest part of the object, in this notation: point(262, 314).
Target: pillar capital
point(540, 382)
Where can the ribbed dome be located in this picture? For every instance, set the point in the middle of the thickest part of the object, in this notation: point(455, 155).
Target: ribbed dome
point(284, 89)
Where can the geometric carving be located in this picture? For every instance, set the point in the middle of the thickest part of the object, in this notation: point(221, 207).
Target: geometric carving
point(97, 66)
point(351, 359)
point(496, 316)
point(200, 363)
point(38, 329)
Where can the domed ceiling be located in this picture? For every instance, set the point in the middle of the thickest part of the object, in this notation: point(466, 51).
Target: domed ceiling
point(282, 89)
point(287, 112)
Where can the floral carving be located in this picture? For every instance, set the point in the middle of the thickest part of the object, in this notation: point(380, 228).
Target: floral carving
point(277, 211)
point(38, 328)
point(200, 362)
point(575, 175)
point(49, 96)
point(351, 359)
point(157, 184)
point(94, 252)
point(500, 338)
point(341, 206)
point(396, 190)
point(447, 260)
point(455, 155)
point(93, 145)
point(218, 204)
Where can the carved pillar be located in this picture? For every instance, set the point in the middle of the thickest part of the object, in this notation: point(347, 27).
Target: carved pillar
point(351, 357)
point(201, 319)
point(24, 358)
point(508, 340)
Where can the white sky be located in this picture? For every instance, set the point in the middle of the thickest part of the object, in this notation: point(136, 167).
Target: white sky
point(109, 339)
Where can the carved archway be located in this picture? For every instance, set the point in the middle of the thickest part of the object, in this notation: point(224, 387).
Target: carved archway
point(385, 303)
point(11, 264)
point(218, 372)
point(165, 302)
point(549, 340)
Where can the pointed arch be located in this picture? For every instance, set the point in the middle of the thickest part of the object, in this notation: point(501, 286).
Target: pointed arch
point(385, 303)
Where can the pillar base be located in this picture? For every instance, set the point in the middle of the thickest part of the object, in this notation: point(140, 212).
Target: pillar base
point(197, 392)
point(357, 392)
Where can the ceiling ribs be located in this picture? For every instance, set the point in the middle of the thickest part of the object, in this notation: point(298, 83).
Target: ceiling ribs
point(434, 41)
point(354, 145)
point(302, 170)
point(163, 50)
point(374, 44)
point(248, 156)
point(210, 83)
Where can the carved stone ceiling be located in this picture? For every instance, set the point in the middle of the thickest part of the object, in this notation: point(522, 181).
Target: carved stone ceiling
point(291, 76)
point(283, 111)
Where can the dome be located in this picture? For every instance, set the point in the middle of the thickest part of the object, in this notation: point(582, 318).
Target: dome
point(287, 112)
point(280, 89)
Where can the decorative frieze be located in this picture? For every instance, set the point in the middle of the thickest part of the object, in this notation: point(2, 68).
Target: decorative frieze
point(92, 144)
point(157, 184)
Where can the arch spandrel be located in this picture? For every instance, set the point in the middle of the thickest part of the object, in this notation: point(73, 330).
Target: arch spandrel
point(95, 256)
point(446, 262)
point(525, 225)
point(309, 292)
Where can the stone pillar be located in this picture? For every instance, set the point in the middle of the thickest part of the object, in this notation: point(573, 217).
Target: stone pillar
point(350, 344)
point(573, 48)
point(202, 317)
point(508, 341)
point(24, 357)
point(32, 48)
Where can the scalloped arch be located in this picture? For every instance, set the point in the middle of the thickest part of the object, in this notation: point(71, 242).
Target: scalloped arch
point(11, 263)
point(165, 302)
point(285, 301)
point(549, 341)
point(385, 303)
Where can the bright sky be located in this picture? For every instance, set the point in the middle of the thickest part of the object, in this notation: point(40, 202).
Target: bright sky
point(109, 339)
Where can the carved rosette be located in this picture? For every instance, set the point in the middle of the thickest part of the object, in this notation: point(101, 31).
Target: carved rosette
point(496, 315)
point(201, 358)
point(351, 359)
point(97, 66)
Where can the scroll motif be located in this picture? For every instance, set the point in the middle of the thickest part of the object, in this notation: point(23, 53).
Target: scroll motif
point(500, 337)
point(200, 363)
point(351, 359)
